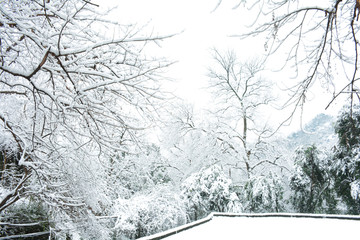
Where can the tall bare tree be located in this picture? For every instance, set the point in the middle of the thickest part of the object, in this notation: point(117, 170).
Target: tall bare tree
point(234, 133)
point(240, 94)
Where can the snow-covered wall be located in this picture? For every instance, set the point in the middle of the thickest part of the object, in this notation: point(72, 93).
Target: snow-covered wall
point(266, 226)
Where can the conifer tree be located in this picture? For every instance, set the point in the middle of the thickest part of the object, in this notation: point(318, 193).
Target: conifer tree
point(311, 184)
point(346, 165)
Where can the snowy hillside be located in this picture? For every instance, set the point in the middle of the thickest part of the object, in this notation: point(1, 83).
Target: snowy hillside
point(319, 131)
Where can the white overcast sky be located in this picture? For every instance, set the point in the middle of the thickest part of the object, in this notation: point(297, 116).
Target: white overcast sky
point(201, 28)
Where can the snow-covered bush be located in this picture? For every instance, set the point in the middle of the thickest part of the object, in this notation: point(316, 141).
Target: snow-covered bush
point(147, 214)
point(263, 194)
point(209, 190)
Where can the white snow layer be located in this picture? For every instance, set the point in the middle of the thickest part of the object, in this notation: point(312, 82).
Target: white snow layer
point(277, 227)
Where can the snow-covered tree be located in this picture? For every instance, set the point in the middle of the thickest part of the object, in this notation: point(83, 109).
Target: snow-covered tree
point(209, 190)
point(264, 193)
point(187, 144)
point(346, 162)
point(241, 95)
point(74, 88)
point(231, 135)
point(311, 182)
point(129, 174)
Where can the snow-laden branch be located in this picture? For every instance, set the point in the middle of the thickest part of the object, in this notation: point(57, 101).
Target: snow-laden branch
point(72, 98)
point(109, 43)
point(28, 74)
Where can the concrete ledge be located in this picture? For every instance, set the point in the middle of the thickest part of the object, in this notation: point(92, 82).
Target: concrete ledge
point(289, 215)
point(245, 215)
point(176, 230)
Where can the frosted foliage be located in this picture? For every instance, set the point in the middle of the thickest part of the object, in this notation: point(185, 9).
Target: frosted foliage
point(348, 162)
point(355, 161)
point(234, 204)
point(349, 165)
point(263, 193)
point(199, 151)
point(143, 215)
point(353, 166)
point(355, 189)
point(5, 139)
point(189, 146)
point(209, 190)
point(261, 188)
point(136, 172)
point(86, 226)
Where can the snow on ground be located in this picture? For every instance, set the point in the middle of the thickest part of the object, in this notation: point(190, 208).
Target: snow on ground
point(277, 227)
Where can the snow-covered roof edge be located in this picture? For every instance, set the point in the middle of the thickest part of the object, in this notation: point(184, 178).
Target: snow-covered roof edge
point(176, 230)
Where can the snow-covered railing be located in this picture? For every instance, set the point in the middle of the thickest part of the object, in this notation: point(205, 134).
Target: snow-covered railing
point(176, 230)
point(291, 215)
point(249, 215)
